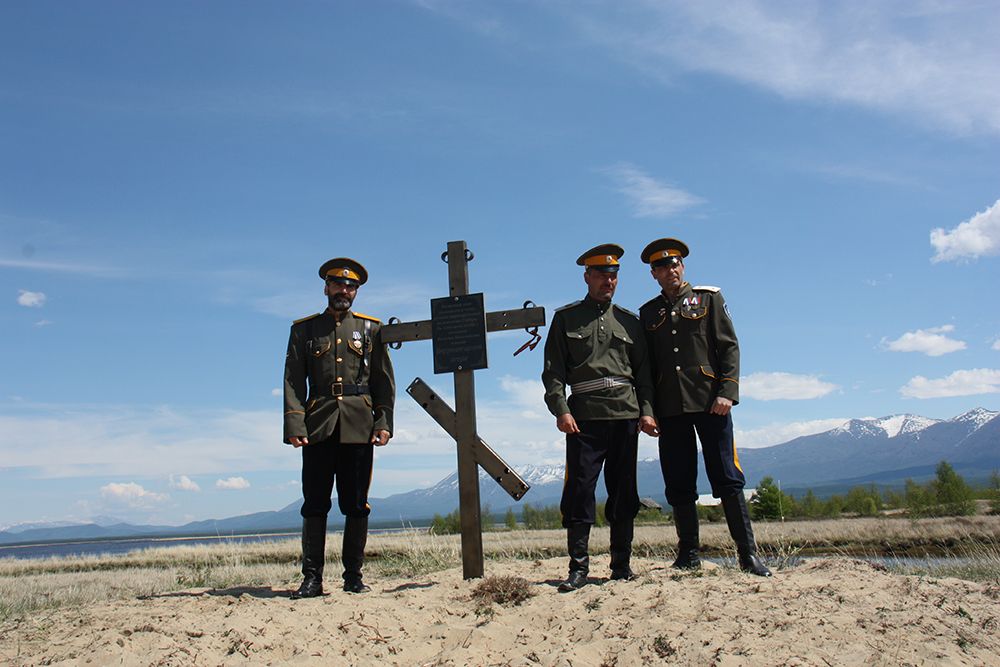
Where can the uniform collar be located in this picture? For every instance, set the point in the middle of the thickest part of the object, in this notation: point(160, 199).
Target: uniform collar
point(601, 307)
point(682, 292)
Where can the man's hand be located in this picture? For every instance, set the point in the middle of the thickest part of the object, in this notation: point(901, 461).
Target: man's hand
point(298, 441)
point(648, 426)
point(380, 437)
point(722, 406)
point(567, 424)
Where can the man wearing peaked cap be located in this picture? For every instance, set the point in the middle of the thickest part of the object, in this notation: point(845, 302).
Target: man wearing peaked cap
point(344, 270)
point(595, 352)
point(695, 357)
point(339, 395)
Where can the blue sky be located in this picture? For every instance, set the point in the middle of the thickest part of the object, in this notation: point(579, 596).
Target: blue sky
point(172, 175)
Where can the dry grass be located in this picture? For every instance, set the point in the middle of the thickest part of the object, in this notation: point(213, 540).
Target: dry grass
point(30, 585)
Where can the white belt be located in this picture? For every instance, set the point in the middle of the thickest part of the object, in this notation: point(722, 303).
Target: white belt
point(600, 383)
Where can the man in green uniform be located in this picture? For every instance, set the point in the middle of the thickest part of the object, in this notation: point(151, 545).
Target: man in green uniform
point(596, 350)
point(339, 394)
point(696, 359)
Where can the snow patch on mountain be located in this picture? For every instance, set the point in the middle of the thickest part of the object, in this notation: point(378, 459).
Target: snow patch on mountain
point(976, 418)
point(890, 427)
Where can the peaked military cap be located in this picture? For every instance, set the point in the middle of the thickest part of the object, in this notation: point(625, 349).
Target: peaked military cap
point(344, 270)
point(602, 258)
point(664, 251)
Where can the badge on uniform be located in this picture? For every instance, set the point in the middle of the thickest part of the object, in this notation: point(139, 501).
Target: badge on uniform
point(357, 343)
point(356, 335)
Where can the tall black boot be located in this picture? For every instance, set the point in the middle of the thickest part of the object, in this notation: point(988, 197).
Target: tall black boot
point(313, 552)
point(738, 518)
point(621, 550)
point(355, 539)
point(686, 524)
point(577, 540)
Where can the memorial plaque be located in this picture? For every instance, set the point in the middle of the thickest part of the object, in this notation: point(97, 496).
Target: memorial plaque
point(459, 333)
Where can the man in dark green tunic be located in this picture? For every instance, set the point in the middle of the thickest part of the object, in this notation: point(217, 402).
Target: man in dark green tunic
point(339, 395)
point(696, 362)
point(596, 350)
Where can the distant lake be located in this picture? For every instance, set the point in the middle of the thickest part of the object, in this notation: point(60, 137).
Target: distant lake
point(111, 547)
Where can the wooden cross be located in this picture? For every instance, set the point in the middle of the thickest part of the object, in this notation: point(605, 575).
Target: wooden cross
point(458, 327)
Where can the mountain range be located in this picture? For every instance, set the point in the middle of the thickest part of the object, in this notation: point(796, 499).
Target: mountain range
point(885, 451)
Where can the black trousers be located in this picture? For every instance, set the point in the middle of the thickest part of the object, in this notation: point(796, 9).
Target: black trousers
point(679, 456)
point(609, 443)
point(350, 464)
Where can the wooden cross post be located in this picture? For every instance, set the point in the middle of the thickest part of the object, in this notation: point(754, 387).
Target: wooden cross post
point(458, 327)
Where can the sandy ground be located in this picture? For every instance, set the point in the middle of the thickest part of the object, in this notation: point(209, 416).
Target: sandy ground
point(827, 612)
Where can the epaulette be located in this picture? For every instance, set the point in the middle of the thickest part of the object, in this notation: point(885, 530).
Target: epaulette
point(306, 318)
point(366, 317)
point(569, 305)
point(625, 310)
point(706, 288)
point(651, 302)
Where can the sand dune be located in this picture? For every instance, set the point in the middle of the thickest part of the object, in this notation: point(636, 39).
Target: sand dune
point(826, 612)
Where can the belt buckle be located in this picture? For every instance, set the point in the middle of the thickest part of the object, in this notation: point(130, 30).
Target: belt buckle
point(337, 388)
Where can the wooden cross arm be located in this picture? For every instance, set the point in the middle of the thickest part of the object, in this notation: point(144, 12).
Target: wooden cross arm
point(442, 413)
point(500, 320)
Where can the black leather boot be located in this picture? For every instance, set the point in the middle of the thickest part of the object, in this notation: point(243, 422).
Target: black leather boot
point(355, 539)
point(686, 524)
point(577, 540)
point(738, 518)
point(313, 552)
point(621, 551)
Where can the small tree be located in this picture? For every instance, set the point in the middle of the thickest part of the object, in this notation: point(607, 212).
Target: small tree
point(510, 519)
point(770, 502)
point(810, 506)
point(953, 495)
point(919, 501)
point(994, 492)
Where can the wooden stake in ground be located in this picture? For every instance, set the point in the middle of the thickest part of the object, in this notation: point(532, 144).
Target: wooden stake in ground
point(458, 327)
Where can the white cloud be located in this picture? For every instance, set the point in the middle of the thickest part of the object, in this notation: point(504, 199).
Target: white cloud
point(979, 236)
point(276, 391)
point(232, 483)
point(131, 494)
point(788, 386)
point(31, 299)
point(184, 483)
point(141, 441)
point(932, 62)
point(959, 383)
point(777, 433)
point(43, 323)
point(931, 342)
point(649, 198)
point(996, 344)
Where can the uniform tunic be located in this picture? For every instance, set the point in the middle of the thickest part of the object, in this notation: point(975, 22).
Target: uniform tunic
point(339, 389)
point(695, 358)
point(590, 340)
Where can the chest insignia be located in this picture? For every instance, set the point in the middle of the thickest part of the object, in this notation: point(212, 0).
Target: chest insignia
point(356, 335)
point(356, 343)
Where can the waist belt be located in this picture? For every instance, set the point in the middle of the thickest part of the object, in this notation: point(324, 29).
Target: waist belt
point(600, 383)
point(341, 389)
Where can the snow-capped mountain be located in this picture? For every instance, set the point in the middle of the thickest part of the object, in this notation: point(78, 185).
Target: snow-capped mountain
point(890, 427)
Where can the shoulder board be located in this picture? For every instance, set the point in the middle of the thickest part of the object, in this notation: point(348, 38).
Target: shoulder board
point(625, 310)
point(706, 288)
point(306, 318)
point(651, 302)
point(569, 305)
point(366, 317)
